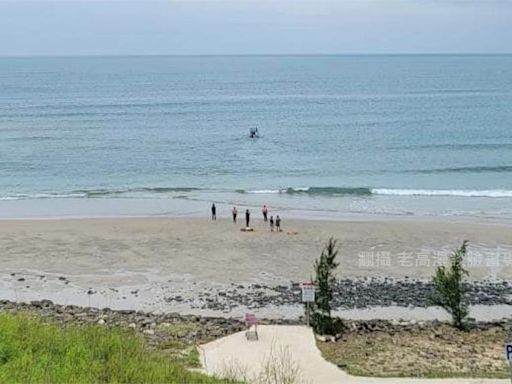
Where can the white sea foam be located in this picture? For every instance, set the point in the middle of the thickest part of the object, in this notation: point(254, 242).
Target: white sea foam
point(442, 192)
point(264, 191)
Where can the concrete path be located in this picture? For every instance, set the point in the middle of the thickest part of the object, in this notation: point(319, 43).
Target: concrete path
point(234, 355)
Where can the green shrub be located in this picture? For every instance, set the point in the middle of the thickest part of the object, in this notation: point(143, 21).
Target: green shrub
point(449, 289)
point(325, 280)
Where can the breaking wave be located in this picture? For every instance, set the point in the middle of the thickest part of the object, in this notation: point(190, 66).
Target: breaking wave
point(328, 191)
point(337, 191)
point(183, 192)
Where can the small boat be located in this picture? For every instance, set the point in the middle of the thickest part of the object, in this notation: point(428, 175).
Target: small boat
point(253, 133)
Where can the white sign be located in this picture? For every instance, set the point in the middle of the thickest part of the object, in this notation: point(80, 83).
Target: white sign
point(308, 292)
point(508, 350)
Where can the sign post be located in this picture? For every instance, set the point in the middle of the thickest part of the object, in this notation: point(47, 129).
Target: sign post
point(308, 296)
point(508, 351)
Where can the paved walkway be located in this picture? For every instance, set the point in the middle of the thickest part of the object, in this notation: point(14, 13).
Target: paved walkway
point(234, 353)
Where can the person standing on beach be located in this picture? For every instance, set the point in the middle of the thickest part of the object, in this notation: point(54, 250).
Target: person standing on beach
point(271, 223)
point(234, 211)
point(247, 218)
point(214, 212)
point(265, 212)
point(278, 223)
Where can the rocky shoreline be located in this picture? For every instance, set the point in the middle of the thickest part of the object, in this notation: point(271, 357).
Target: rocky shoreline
point(209, 298)
point(201, 329)
point(348, 294)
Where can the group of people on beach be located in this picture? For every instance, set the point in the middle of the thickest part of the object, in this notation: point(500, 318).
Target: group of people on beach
point(274, 224)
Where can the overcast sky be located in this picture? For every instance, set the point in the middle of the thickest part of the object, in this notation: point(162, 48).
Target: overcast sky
point(76, 27)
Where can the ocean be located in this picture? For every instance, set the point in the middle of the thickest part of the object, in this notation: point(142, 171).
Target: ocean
point(398, 135)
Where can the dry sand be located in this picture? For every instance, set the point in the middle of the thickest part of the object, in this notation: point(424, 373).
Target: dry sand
point(134, 262)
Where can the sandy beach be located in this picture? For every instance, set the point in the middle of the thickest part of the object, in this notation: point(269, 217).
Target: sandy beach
point(141, 262)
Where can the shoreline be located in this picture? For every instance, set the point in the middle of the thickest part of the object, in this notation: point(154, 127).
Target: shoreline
point(310, 208)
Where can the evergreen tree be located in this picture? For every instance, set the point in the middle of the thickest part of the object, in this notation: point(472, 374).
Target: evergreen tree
point(449, 289)
point(325, 280)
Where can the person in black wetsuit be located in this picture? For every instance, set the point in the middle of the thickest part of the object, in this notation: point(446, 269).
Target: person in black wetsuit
point(271, 223)
point(278, 223)
point(214, 212)
point(247, 217)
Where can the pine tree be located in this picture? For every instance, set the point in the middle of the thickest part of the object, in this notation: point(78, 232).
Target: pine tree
point(449, 289)
point(325, 278)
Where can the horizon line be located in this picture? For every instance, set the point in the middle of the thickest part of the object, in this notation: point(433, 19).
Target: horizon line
point(254, 54)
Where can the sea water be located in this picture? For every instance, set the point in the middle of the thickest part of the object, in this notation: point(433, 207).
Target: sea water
point(339, 135)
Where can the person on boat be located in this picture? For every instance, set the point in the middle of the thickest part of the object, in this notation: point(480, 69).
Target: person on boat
point(253, 133)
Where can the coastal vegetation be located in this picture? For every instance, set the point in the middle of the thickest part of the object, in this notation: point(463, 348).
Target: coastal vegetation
point(50, 338)
point(325, 280)
point(35, 350)
point(449, 288)
point(420, 349)
point(426, 349)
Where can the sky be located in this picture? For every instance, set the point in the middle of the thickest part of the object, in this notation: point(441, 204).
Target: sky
point(210, 27)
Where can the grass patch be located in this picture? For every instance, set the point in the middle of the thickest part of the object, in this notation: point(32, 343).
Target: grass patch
point(179, 350)
point(173, 344)
point(37, 351)
point(431, 353)
point(191, 357)
point(185, 354)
